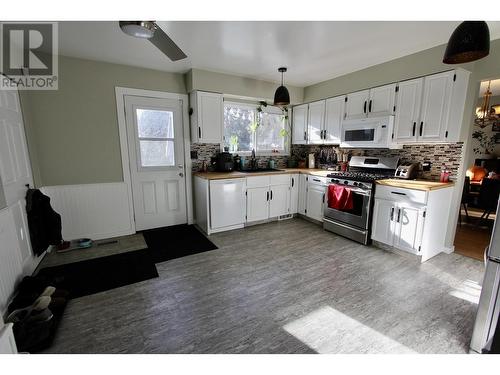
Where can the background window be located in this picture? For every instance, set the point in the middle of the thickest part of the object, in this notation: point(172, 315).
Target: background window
point(270, 133)
point(239, 124)
point(155, 131)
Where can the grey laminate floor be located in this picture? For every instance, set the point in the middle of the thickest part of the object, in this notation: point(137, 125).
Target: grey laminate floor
point(284, 287)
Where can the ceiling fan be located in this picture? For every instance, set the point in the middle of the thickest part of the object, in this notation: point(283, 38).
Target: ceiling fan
point(150, 30)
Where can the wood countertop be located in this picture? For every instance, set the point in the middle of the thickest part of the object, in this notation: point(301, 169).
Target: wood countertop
point(415, 184)
point(237, 174)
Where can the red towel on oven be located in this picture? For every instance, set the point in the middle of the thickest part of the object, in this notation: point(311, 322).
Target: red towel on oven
point(340, 198)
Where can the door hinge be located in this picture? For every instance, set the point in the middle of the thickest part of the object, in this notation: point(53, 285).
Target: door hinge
point(397, 88)
point(454, 77)
point(446, 134)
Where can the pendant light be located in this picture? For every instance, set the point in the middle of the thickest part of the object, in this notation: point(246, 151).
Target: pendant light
point(469, 42)
point(485, 113)
point(281, 96)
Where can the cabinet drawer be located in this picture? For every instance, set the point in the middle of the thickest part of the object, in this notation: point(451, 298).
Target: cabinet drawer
point(400, 194)
point(258, 181)
point(315, 180)
point(280, 179)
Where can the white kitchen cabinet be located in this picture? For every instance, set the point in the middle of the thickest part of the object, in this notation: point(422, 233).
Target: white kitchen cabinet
point(381, 100)
point(299, 124)
point(356, 105)
point(257, 203)
point(408, 104)
point(227, 202)
point(436, 103)
point(302, 204)
point(316, 122)
point(294, 193)
point(279, 200)
point(334, 114)
point(315, 200)
point(412, 220)
point(206, 117)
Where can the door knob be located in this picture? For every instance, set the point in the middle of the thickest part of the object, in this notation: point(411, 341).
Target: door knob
point(181, 174)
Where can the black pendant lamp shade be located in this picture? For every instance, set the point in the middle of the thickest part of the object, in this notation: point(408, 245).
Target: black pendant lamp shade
point(281, 96)
point(469, 42)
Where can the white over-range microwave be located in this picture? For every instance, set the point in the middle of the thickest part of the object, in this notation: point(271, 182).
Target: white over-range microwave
point(372, 132)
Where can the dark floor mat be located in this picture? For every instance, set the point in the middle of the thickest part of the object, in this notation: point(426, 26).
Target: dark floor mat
point(175, 242)
point(100, 274)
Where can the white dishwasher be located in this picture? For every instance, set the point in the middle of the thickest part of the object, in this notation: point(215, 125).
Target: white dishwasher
point(227, 202)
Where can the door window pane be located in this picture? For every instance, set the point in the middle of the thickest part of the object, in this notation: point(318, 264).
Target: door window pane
point(154, 123)
point(270, 134)
point(239, 128)
point(157, 153)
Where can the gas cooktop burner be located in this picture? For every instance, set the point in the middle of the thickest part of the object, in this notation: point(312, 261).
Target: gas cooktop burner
point(359, 176)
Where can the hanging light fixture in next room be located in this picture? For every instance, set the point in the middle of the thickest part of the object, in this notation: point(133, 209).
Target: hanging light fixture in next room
point(281, 96)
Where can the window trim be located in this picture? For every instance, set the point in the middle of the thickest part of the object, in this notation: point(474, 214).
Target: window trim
point(270, 109)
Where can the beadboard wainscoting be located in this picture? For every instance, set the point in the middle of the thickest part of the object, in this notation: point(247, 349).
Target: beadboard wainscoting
point(11, 268)
point(95, 211)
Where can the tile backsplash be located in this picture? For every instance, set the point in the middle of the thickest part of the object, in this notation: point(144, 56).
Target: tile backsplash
point(449, 155)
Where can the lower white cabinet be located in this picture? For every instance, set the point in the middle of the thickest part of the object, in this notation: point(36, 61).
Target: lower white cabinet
point(302, 203)
point(315, 205)
point(257, 203)
point(294, 193)
point(398, 225)
point(268, 197)
point(412, 220)
point(279, 200)
point(227, 202)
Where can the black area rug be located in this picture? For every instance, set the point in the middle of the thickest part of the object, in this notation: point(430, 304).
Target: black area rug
point(175, 242)
point(100, 274)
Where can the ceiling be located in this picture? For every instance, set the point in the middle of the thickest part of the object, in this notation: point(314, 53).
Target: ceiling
point(312, 51)
point(494, 88)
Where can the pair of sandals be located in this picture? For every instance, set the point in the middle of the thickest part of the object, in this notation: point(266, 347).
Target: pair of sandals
point(38, 312)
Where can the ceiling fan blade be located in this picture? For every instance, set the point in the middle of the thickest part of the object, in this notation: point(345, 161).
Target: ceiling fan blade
point(163, 42)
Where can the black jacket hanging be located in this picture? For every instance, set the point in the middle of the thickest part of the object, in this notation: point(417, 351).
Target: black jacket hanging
point(43, 222)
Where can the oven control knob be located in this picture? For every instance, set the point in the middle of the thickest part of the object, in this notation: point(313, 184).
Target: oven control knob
point(346, 182)
point(355, 183)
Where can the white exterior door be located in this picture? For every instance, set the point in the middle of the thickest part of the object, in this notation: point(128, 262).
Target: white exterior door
point(316, 122)
point(408, 110)
point(299, 125)
point(279, 200)
point(156, 151)
point(356, 105)
point(381, 102)
point(15, 170)
point(257, 203)
point(435, 106)
point(334, 114)
point(383, 221)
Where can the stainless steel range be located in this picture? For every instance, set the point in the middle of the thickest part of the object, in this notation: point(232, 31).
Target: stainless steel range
point(363, 171)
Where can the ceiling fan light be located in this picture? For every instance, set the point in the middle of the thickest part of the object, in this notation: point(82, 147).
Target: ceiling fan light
point(138, 29)
point(469, 42)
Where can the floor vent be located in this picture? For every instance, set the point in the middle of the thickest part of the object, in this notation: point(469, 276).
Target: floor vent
point(285, 217)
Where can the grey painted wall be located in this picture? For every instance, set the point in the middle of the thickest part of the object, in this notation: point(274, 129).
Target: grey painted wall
point(73, 132)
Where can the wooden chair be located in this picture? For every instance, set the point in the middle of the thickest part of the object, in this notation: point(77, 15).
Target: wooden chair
point(488, 197)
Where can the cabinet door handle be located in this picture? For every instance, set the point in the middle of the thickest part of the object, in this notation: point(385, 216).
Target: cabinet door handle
point(305, 136)
point(392, 213)
point(364, 107)
point(414, 128)
point(370, 106)
point(317, 180)
point(199, 132)
point(271, 195)
point(399, 214)
point(293, 181)
point(323, 198)
point(397, 192)
point(267, 199)
point(421, 128)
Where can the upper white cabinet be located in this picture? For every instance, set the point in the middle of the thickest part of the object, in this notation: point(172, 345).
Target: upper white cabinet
point(408, 103)
point(381, 101)
point(356, 104)
point(375, 102)
point(334, 114)
point(299, 124)
point(206, 117)
point(316, 122)
point(430, 109)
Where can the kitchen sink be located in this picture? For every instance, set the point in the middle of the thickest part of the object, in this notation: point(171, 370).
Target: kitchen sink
point(262, 170)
